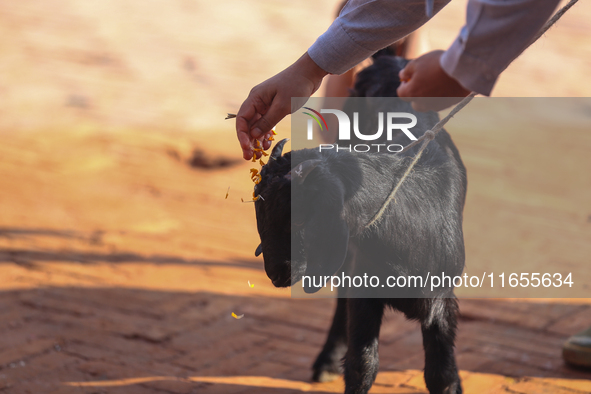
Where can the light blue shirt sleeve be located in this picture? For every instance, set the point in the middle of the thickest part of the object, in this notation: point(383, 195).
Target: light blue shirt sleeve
point(496, 32)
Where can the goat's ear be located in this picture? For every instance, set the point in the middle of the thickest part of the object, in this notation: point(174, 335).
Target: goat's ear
point(258, 250)
point(302, 170)
point(326, 234)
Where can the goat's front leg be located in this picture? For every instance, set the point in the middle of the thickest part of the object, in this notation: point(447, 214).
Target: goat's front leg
point(363, 331)
point(439, 333)
point(328, 363)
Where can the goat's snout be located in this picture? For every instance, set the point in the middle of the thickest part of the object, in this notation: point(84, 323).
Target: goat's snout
point(280, 276)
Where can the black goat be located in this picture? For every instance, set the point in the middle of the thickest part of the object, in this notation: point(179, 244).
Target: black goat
point(319, 205)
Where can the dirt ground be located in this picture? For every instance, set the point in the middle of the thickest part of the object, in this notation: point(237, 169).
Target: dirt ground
point(121, 262)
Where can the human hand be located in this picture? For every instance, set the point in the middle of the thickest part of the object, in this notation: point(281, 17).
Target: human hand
point(270, 101)
point(427, 86)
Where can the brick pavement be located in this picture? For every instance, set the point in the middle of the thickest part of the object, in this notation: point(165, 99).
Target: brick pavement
point(117, 278)
point(111, 340)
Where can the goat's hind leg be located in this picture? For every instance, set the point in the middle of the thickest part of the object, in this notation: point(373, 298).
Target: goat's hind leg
point(439, 332)
point(328, 364)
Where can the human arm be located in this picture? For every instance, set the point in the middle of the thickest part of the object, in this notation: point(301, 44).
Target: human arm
point(364, 27)
point(496, 32)
point(270, 101)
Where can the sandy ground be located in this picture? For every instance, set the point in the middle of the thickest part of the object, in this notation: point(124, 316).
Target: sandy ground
point(114, 249)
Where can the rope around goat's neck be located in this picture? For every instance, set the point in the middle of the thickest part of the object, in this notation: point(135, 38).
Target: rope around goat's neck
point(431, 134)
point(425, 138)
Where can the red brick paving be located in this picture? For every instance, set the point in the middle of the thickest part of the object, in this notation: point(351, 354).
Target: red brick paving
point(123, 291)
point(52, 336)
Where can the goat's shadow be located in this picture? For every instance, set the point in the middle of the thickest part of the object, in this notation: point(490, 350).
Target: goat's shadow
point(31, 257)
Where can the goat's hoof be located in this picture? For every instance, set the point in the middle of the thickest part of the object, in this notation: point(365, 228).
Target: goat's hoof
point(325, 376)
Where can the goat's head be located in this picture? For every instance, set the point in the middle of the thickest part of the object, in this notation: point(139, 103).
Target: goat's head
point(300, 219)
